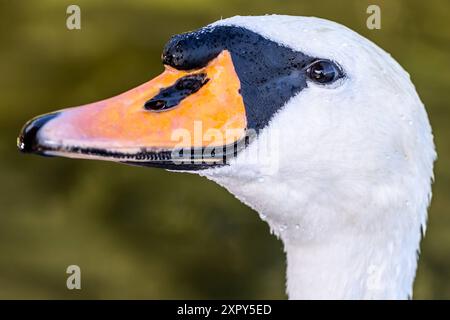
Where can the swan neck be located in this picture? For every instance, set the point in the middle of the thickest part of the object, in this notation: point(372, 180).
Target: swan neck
point(350, 268)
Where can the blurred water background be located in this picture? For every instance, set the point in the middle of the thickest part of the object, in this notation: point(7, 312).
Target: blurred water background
point(146, 233)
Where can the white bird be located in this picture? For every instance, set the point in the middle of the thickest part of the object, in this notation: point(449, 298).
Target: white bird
point(339, 153)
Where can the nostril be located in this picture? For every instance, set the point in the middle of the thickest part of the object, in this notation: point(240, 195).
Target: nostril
point(27, 141)
point(155, 105)
point(170, 97)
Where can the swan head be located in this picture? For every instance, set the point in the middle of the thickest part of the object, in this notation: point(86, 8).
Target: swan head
point(312, 125)
point(343, 156)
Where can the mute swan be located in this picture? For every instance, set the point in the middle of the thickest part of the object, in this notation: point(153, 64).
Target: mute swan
point(325, 135)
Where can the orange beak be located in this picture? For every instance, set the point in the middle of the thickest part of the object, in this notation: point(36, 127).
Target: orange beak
point(170, 117)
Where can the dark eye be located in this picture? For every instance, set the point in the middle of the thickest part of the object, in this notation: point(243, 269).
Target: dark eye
point(324, 71)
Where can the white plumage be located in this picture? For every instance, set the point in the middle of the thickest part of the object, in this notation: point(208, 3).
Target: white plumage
point(347, 179)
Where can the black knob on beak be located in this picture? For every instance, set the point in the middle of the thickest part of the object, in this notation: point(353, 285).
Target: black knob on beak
point(28, 141)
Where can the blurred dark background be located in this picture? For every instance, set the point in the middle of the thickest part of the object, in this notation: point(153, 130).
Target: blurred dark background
point(146, 233)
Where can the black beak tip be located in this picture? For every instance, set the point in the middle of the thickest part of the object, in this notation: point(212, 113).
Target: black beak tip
point(27, 141)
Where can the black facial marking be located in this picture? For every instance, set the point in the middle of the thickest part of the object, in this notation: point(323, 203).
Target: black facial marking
point(269, 73)
point(171, 96)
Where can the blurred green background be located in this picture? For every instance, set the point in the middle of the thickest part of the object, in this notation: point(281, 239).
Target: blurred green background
point(146, 233)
